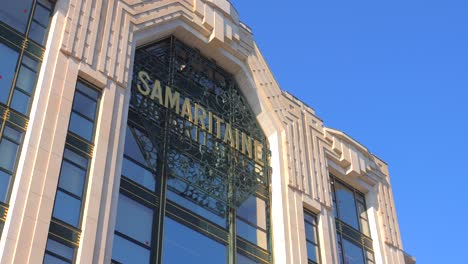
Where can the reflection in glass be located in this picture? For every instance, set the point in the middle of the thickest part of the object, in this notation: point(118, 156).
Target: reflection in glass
point(72, 178)
point(241, 259)
point(67, 208)
point(138, 174)
point(346, 205)
point(20, 102)
point(8, 150)
point(16, 13)
point(134, 220)
point(4, 184)
point(353, 253)
point(59, 249)
point(127, 252)
point(7, 68)
point(184, 245)
point(84, 105)
point(81, 126)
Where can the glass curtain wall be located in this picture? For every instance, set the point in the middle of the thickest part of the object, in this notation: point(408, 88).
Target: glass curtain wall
point(192, 189)
point(353, 234)
point(23, 31)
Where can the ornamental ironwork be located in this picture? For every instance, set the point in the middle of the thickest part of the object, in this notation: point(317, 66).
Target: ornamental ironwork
point(194, 115)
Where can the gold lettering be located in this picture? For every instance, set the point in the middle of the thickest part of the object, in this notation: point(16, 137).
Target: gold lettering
point(258, 152)
point(246, 145)
point(228, 135)
point(142, 75)
point(218, 126)
point(187, 110)
point(200, 117)
point(173, 100)
point(157, 92)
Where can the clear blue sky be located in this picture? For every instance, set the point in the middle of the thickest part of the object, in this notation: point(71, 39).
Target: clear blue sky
point(394, 76)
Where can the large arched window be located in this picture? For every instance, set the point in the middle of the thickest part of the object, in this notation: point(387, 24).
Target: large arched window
point(195, 165)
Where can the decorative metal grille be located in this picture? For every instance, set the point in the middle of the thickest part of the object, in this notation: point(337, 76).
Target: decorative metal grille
point(201, 167)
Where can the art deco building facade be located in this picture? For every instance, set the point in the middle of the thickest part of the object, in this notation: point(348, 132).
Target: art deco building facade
point(154, 132)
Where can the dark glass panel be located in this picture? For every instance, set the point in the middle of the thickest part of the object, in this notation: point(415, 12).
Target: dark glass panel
point(67, 208)
point(352, 253)
point(184, 245)
point(7, 68)
point(60, 249)
point(72, 178)
point(84, 105)
point(127, 252)
point(138, 174)
point(16, 13)
point(20, 102)
point(346, 205)
point(134, 220)
point(81, 126)
point(4, 184)
point(26, 79)
point(8, 150)
point(312, 252)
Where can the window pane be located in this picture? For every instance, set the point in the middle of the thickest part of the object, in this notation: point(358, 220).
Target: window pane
point(87, 90)
point(20, 102)
point(41, 14)
point(138, 174)
point(184, 245)
point(195, 208)
point(37, 33)
point(72, 178)
point(60, 249)
point(84, 105)
point(8, 149)
point(81, 126)
point(253, 210)
point(12, 134)
point(48, 259)
point(76, 158)
point(16, 13)
point(132, 148)
point(26, 79)
point(31, 63)
point(127, 252)
point(7, 66)
point(252, 234)
point(353, 253)
point(312, 252)
point(346, 205)
point(67, 208)
point(4, 184)
point(310, 232)
point(134, 220)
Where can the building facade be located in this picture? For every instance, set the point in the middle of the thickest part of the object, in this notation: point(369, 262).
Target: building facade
point(154, 132)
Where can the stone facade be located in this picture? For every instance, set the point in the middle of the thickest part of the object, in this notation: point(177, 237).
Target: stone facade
point(96, 40)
